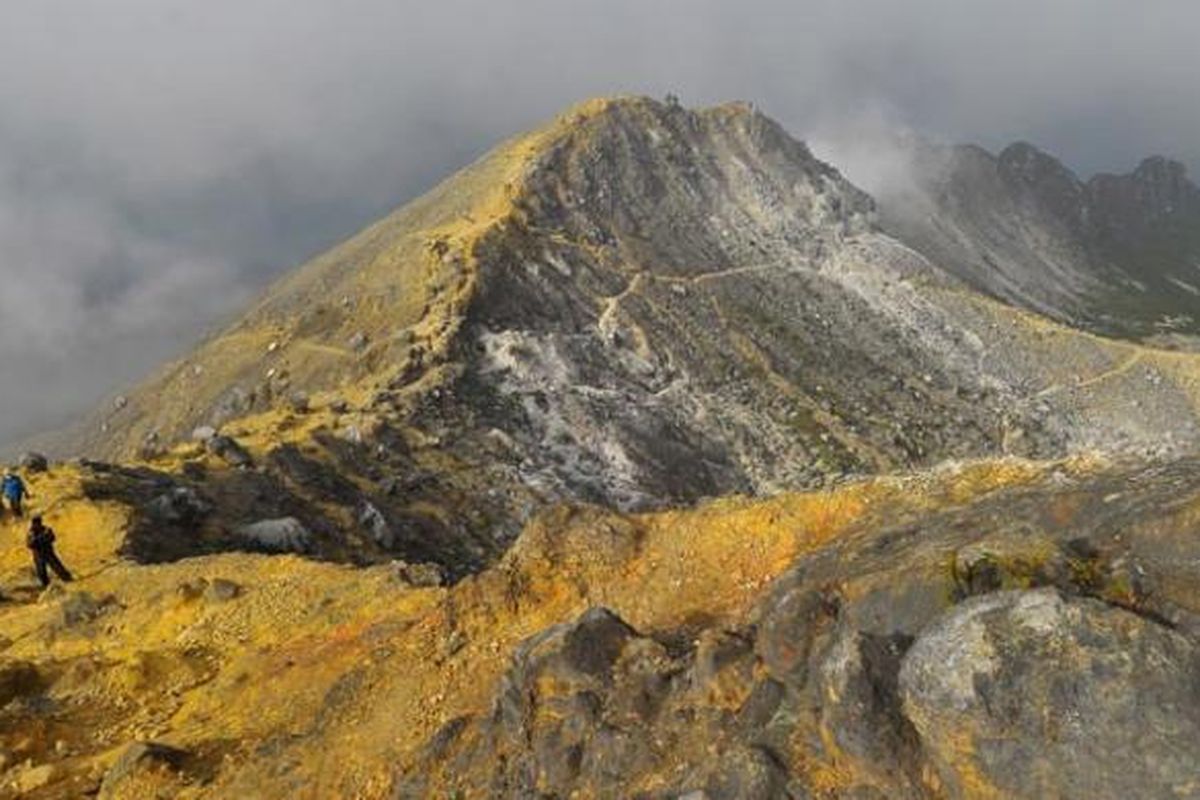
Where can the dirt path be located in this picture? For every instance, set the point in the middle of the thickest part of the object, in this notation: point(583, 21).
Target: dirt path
point(327, 349)
point(1129, 363)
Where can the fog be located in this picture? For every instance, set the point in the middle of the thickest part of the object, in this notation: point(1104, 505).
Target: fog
point(161, 160)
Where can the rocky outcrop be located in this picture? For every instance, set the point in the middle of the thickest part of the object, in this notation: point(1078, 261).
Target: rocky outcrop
point(124, 777)
point(1000, 629)
point(1028, 694)
point(1114, 253)
point(1039, 643)
point(285, 535)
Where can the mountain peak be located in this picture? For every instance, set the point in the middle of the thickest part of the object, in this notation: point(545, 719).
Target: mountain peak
point(636, 304)
point(1035, 166)
point(1160, 169)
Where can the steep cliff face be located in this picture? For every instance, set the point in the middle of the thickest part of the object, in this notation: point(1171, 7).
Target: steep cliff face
point(1116, 253)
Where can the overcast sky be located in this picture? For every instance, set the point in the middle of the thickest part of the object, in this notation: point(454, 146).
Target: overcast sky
point(161, 159)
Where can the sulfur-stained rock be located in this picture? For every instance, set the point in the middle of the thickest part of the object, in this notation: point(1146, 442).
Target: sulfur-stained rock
point(1029, 694)
point(80, 608)
point(30, 779)
point(573, 663)
point(299, 402)
point(18, 679)
point(122, 778)
point(220, 590)
point(422, 575)
point(228, 450)
point(746, 774)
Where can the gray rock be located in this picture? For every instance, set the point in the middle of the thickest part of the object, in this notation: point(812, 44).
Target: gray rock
point(233, 403)
point(80, 608)
point(1034, 695)
point(191, 590)
point(298, 402)
point(180, 505)
point(34, 462)
point(419, 575)
point(136, 757)
point(746, 774)
point(284, 535)
point(220, 590)
point(228, 450)
point(376, 524)
point(204, 433)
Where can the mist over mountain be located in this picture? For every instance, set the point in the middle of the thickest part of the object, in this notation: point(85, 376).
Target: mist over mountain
point(1114, 253)
point(159, 171)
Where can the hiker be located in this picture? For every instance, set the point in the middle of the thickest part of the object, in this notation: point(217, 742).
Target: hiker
point(14, 492)
point(40, 542)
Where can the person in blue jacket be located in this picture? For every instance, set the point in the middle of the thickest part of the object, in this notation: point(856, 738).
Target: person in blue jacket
point(14, 492)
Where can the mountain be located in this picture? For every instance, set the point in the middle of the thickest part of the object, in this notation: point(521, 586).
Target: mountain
point(1118, 254)
point(637, 306)
point(647, 457)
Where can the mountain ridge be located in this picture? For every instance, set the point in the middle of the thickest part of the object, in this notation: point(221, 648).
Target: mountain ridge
point(1110, 253)
point(637, 460)
point(637, 306)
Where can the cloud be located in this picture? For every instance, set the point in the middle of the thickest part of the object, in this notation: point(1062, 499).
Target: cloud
point(160, 160)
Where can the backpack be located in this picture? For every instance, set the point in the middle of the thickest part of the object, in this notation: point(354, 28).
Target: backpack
point(14, 488)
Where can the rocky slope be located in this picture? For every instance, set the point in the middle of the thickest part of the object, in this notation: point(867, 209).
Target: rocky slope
point(638, 306)
point(1118, 254)
point(1000, 629)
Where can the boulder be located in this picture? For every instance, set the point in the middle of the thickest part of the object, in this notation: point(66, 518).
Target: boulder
point(136, 758)
point(190, 590)
point(220, 590)
point(228, 450)
point(80, 608)
point(30, 779)
point(180, 505)
point(18, 679)
point(418, 575)
point(283, 535)
point(1029, 694)
point(298, 402)
point(549, 702)
point(234, 403)
point(376, 524)
point(34, 462)
point(204, 433)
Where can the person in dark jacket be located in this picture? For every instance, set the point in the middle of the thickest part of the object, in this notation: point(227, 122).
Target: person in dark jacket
point(40, 542)
point(14, 492)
